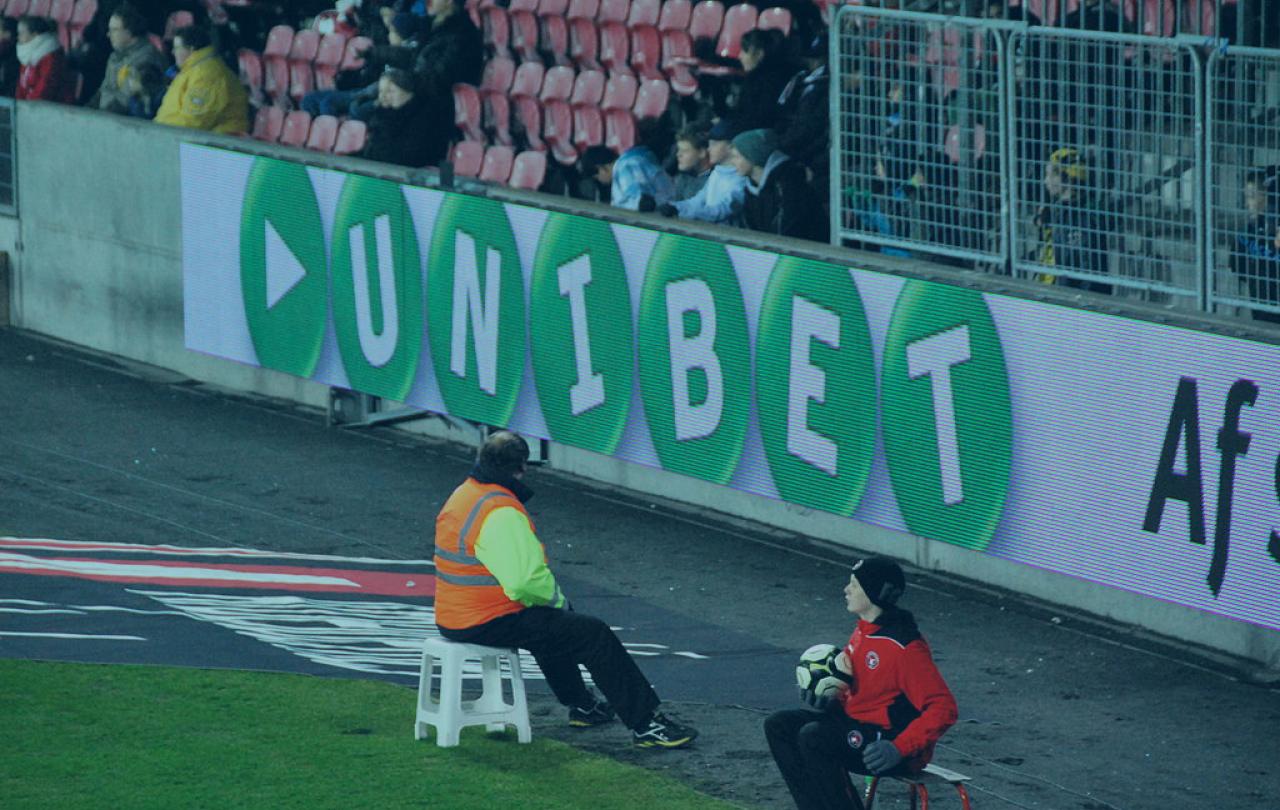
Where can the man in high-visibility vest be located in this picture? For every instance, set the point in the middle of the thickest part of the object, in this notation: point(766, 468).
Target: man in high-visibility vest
point(493, 587)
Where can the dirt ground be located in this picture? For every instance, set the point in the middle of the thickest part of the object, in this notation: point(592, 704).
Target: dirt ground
point(1058, 710)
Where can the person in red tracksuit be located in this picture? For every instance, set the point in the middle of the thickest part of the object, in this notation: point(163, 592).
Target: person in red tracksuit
point(44, 74)
point(886, 722)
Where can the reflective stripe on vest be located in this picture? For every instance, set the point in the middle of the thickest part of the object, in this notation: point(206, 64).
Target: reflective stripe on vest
point(467, 592)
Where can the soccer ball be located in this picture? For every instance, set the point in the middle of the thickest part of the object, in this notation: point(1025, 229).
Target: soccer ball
point(822, 670)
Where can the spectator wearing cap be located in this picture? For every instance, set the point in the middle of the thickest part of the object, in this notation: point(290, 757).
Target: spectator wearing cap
point(693, 163)
point(779, 198)
point(402, 127)
point(804, 131)
point(44, 75)
point(205, 94)
point(135, 69)
point(889, 718)
point(1071, 231)
point(635, 178)
point(719, 201)
point(1255, 257)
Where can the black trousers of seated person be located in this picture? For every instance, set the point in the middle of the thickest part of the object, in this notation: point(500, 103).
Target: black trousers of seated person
point(559, 640)
point(815, 751)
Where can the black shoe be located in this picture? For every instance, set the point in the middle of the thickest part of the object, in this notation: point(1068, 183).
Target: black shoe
point(663, 732)
point(596, 713)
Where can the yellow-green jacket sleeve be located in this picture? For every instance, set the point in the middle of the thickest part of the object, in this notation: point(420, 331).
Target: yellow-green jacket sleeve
point(510, 550)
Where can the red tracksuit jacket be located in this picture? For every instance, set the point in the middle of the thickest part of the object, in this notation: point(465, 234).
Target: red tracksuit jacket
point(49, 79)
point(897, 686)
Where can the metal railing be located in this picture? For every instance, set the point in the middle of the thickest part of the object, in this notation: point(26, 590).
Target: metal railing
point(8, 159)
point(1107, 163)
point(1243, 187)
point(1145, 167)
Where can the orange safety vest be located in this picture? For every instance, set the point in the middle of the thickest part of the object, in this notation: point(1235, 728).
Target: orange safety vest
point(467, 594)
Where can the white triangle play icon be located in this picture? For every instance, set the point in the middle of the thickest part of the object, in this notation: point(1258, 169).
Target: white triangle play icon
point(284, 271)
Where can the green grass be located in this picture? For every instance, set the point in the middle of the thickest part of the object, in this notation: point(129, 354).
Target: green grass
point(90, 736)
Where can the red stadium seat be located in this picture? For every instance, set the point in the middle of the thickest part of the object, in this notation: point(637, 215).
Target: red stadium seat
point(306, 44)
point(60, 12)
point(351, 137)
point(646, 42)
point(557, 117)
point(619, 130)
point(738, 20)
point(324, 133)
point(467, 111)
point(522, 16)
point(39, 8)
point(675, 16)
point(553, 30)
point(467, 158)
point(1158, 16)
point(297, 126)
point(328, 58)
point(497, 30)
point(251, 75)
point(619, 93)
point(774, 19)
point(17, 8)
point(495, 84)
point(588, 122)
point(351, 58)
point(528, 171)
point(525, 88)
point(584, 39)
point(176, 20)
point(81, 16)
point(706, 20)
point(951, 144)
point(267, 124)
point(498, 161)
point(275, 63)
point(615, 40)
point(652, 99)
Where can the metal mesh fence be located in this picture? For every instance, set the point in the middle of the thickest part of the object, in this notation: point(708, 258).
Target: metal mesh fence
point(1106, 134)
point(1254, 23)
point(919, 105)
point(1244, 182)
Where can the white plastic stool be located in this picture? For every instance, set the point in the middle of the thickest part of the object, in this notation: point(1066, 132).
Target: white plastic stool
point(450, 713)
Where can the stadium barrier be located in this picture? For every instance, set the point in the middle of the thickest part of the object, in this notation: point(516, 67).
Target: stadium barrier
point(950, 128)
point(967, 423)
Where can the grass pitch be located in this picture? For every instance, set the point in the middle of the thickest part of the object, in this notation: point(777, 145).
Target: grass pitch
point(124, 737)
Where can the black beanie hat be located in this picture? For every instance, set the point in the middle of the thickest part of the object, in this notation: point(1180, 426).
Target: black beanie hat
point(881, 579)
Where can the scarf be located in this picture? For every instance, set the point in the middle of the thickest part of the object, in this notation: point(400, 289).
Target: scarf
point(37, 48)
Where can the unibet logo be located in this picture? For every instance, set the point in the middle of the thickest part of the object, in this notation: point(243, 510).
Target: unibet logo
point(581, 333)
point(695, 371)
point(816, 385)
point(948, 427)
point(282, 267)
point(475, 309)
point(377, 287)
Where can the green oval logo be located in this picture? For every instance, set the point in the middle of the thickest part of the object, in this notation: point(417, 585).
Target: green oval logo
point(283, 270)
point(695, 368)
point(948, 425)
point(475, 310)
point(377, 287)
point(580, 326)
point(816, 385)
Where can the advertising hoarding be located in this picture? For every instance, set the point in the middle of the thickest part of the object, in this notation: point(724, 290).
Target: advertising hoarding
point(1135, 455)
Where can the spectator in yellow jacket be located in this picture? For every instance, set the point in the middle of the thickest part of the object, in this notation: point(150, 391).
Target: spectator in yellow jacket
point(205, 94)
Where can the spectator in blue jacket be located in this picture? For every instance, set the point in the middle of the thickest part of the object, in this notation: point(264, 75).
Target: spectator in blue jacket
point(635, 178)
point(1255, 257)
point(720, 198)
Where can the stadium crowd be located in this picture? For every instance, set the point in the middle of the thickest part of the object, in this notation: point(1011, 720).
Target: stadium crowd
point(738, 134)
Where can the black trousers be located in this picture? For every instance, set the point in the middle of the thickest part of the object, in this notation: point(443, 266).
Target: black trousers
point(559, 640)
point(815, 751)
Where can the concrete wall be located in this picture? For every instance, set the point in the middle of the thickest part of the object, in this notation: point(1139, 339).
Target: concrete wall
point(97, 260)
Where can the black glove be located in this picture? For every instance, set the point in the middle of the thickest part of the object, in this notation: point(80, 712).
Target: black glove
point(647, 203)
point(667, 210)
point(880, 756)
